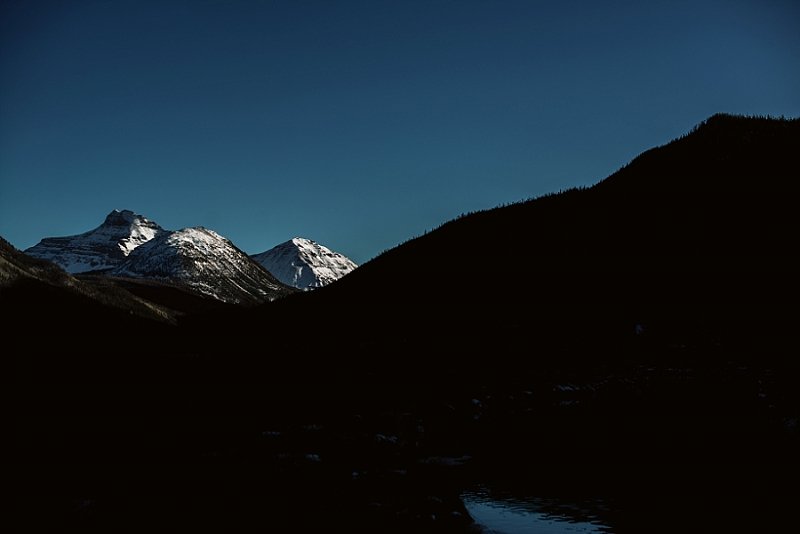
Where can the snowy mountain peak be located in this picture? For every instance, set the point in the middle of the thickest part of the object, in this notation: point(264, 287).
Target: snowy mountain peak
point(205, 262)
point(304, 263)
point(104, 247)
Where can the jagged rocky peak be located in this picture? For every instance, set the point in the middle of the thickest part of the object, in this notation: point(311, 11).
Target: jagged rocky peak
point(105, 247)
point(124, 218)
point(138, 229)
point(305, 264)
point(120, 217)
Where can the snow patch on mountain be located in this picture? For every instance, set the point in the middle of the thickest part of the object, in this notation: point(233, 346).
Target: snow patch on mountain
point(204, 261)
point(305, 264)
point(105, 247)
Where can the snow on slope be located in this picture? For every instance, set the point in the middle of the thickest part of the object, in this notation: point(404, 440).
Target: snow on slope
point(305, 264)
point(102, 248)
point(204, 261)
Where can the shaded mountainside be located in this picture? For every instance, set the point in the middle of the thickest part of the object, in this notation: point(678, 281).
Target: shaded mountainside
point(38, 290)
point(15, 266)
point(180, 301)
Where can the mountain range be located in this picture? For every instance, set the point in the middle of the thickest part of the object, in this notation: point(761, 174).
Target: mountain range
point(130, 246)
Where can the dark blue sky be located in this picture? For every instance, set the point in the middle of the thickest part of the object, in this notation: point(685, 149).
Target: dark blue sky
point(357, 124)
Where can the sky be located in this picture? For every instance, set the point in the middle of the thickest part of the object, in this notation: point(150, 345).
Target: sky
point(357, 124)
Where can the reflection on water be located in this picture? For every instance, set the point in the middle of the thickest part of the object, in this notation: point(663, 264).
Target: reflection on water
point(504, 513)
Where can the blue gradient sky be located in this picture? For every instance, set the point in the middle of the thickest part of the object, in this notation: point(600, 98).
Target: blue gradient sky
point(357, 124)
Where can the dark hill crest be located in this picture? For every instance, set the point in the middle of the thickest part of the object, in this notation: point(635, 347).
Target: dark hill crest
point(670, 231)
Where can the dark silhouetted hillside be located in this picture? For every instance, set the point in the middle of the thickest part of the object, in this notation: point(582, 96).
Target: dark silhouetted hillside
point(700, 227)
point(665, 290)
point(22, 277)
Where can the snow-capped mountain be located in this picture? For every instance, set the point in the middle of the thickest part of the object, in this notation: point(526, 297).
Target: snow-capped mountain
point(104, 247)
point(305, 264)
point(129, 245)
point(204, 261)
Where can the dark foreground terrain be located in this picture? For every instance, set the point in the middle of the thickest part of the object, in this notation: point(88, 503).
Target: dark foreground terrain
point(634, 343)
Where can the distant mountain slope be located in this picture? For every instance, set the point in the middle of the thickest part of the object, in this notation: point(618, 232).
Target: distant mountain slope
point(102, 248)
point(304, 264)
point(15, 266)
point(24, 282)
point(206, 262)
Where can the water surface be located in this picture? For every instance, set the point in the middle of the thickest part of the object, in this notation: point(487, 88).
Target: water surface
point(505, 513)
